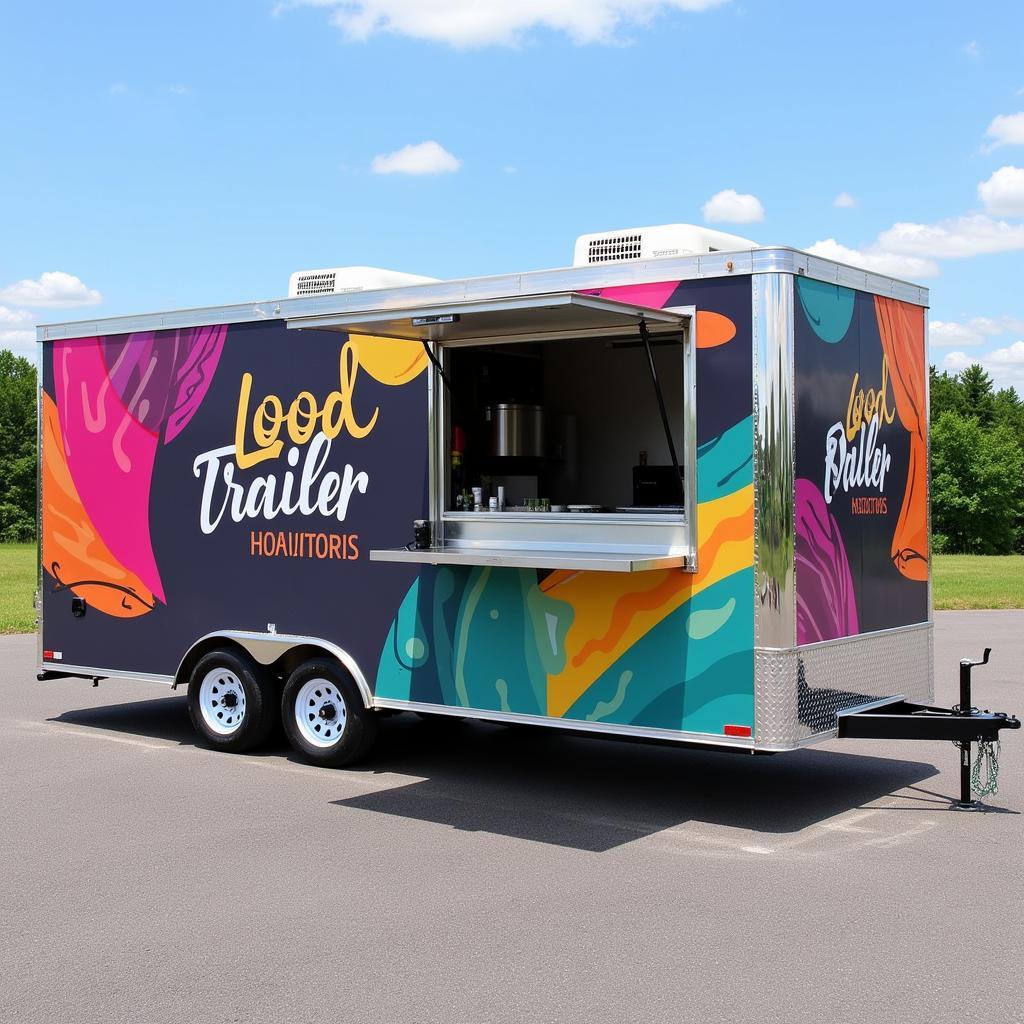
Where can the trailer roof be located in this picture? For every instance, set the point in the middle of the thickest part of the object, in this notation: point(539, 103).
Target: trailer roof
point(769, 259)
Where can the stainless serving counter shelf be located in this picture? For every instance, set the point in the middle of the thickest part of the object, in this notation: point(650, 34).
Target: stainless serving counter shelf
point(533, 558)
point(596, 541)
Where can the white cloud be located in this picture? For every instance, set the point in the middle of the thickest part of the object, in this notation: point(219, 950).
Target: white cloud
point(17, 331)
point(1003, 192)
point(1006, 365)
point(21, 343)
point(957, 237)
point(464, 23)
point(180, 90)
point(972, 49)
point(1006, 130)
point(423, 158)
point(54, 289)
point(942, 333)
point(844, 201)
point(1012, 355)
point(16, 317)
point(732, 207)
point(117, 89)
point(876, 259)
point(957, 361)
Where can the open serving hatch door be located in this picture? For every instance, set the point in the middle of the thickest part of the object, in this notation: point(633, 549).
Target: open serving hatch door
point(519, 318)
point(599, 542)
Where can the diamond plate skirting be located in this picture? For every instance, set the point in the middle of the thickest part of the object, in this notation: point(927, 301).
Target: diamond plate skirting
point(798, 692)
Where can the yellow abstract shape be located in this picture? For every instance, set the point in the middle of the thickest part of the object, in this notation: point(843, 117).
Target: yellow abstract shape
point(389, 360)
point(74, 554)
point(612, 611)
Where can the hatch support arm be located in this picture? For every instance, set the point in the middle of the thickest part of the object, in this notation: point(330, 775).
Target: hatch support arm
point(645, 337)
point(437, 363)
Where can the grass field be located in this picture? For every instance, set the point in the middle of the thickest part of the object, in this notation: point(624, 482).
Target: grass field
point(978, 581)
point(17, 587)
point(961, 581)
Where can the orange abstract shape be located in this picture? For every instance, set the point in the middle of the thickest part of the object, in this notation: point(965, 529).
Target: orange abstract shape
point(389, 360)
point(73, 552)
point(901, 326)
point(713, 329)
point(612, 611)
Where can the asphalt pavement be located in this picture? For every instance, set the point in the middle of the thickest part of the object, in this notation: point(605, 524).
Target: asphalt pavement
point(486, 874)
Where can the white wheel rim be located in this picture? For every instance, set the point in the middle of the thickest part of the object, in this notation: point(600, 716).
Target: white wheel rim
point(222, 701)
point(321, 713)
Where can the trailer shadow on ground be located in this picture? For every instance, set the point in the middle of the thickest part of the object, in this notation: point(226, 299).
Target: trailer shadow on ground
point(582, 792)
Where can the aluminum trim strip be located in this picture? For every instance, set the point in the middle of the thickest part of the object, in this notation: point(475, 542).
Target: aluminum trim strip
point(569, 724)
point(770, 260)
point(39, 503)
point(928, 462)
point(105, 673)
point(774, 462)
point(838, 641)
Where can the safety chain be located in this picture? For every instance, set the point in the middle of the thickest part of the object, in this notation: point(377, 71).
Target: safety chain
point(989, 753)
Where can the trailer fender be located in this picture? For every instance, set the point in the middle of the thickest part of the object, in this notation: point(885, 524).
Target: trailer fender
point(268, 648)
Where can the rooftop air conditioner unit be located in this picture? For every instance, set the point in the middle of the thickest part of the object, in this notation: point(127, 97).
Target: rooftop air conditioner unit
point(336, 280)
point(657, 242)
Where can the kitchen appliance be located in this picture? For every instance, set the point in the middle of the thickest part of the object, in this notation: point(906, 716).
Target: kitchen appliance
point(654, 486)
point(517, 430)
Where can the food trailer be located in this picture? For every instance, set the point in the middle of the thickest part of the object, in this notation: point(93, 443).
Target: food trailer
point(678, 491)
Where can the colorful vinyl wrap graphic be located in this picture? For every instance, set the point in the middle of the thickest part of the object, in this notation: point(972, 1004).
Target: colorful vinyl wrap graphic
point(224, 478)
point(861, 463)
point(663, 649)
point(114, 402)
point(229, 477)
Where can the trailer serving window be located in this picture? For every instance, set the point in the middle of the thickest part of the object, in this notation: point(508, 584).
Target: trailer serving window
point(562, 432)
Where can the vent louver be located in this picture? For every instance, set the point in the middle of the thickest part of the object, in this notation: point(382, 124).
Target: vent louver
point(318, 283)
point(653, 242)
point(614, 247)
point(340, 280)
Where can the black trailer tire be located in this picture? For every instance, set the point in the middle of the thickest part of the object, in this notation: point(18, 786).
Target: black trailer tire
point(324, 716)
point(232, 701)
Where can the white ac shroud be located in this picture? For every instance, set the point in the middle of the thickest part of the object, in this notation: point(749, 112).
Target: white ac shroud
point(336, 280)
point(655, 242)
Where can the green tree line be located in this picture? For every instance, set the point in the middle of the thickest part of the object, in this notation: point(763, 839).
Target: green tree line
point(17, 448)
point(977, 448)
point(977, 452)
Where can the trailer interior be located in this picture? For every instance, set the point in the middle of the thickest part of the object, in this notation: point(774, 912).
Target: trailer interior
point(562, 432)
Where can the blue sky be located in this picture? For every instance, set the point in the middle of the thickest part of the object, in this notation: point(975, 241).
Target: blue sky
point(157, 156)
